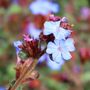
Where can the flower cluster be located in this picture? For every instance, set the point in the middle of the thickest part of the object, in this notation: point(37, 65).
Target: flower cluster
point(54, 44)
point(40, 12)
point(59, 50)
point(57, 38)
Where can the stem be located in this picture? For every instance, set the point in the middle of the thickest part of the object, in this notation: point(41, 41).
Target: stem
point(30, 68)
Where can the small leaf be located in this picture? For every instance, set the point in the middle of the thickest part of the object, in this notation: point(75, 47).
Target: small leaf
point(20, 88)
point(23, 55)
point(85, 77)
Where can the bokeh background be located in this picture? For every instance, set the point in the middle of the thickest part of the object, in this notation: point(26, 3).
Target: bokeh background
point(15, 16)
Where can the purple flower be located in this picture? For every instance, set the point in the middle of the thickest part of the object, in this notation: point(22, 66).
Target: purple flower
point(27, 38)
point(85, 12)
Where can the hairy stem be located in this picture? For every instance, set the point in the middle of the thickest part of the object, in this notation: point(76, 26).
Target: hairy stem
point(30, 68)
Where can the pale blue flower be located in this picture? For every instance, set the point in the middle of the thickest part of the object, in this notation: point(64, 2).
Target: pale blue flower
point(16, 44)
point(43, 7)
point(53, 65)
point(43, 58)
point(54, 28)
point(33, 31)
point(60, 49)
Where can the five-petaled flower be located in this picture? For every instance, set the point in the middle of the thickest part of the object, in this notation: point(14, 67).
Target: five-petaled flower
point(60, 49)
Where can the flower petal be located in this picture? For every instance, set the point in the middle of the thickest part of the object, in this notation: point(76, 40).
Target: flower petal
point(16, 44)
point(57, 42)
point(66, 55)
point(70, 44)
point(62, 33)
point(59, 59)
point(50, 51)
point(33, 31)
point(51, 45)
point(51, 48)
point(42, 58)
point(54, 55)
point(65, 32)
point(50, 27)
point(53, 65)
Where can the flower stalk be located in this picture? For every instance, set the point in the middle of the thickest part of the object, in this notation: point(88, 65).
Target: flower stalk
point(29, 69)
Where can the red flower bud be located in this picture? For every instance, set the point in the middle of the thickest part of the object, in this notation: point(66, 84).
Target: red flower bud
point(31, 47)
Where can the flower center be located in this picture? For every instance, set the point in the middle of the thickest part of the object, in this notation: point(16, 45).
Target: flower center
point(59, 48)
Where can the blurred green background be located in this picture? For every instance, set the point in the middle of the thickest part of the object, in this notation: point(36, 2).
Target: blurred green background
point(13, 21)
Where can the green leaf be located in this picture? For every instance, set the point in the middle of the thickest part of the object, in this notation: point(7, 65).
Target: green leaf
point(14, 9)
point(20, 88)
point(85, 77)
point(23, 55)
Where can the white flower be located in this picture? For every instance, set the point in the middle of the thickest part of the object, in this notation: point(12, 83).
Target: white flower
point(34, 32)
point(54, 28)
point(43, 7)
point(60, 49)
point(16, 44)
